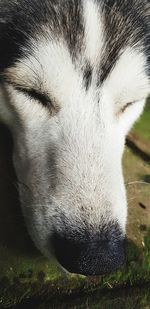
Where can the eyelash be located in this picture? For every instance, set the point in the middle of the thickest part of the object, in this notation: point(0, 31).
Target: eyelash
point(33, 94)
point(126, 106)
point(45, 100)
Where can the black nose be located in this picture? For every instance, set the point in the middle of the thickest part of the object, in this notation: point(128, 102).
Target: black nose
point(90, 254)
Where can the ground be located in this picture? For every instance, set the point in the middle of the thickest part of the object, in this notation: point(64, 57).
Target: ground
point(27, 276)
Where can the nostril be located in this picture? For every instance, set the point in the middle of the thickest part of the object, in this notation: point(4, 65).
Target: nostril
point(67, 251)
point(90, 255)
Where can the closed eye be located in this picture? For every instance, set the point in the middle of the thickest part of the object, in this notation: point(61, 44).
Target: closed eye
point(126, 106)
point(41, 97)
point(35, 95)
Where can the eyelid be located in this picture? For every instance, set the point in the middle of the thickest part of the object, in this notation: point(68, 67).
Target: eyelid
point(126, 106)
point(42, 98)
point(33, 94)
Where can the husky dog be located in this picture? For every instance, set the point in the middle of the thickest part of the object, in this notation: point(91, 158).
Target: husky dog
point(74, 77)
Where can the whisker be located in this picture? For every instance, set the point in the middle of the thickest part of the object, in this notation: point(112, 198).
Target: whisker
point(23, 184)
point(137, 182)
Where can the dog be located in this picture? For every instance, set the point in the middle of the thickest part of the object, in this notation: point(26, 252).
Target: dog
point(74, 77)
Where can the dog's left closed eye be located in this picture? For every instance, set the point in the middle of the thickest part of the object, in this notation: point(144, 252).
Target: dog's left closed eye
point(126, 106)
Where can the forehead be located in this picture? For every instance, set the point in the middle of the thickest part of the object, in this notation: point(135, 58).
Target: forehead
point(105, 27)
point(76, 45)
point(50, 70)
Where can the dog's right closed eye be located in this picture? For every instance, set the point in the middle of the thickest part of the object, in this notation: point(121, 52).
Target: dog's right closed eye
point(35, 95)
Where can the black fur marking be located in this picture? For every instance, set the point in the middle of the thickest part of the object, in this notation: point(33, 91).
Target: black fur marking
point(87, 76)
point(22, 20)
point(126, 24)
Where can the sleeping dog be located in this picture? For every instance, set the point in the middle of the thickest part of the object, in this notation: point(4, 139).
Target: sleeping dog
point(74, 77)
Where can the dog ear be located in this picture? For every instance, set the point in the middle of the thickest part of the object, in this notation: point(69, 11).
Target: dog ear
point(6, 8)
point(2, 35)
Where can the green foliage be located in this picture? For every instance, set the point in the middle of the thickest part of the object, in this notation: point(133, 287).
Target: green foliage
point(142, 127)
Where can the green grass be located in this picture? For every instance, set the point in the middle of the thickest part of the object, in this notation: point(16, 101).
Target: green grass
point(142, 127)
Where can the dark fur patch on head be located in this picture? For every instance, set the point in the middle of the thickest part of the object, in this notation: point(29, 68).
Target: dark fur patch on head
point(22, 20)
point(87, 76)
point(126, 24)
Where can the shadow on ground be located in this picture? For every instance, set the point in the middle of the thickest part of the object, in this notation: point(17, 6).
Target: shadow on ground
point(13, 233)
point(121, 299)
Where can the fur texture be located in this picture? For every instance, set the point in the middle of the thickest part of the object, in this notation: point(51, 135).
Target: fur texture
point(74, 78)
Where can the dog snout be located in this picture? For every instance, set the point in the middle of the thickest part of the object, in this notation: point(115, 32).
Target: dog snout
point(89, 255)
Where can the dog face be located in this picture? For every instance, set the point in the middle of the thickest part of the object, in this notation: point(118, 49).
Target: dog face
point(74, 78)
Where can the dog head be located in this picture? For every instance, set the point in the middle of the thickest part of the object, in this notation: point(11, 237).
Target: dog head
point(74, 78)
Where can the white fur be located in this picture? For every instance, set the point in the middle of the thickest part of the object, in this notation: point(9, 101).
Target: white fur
point(59, 77)
point(87, 134)
point(94, 32)
point(128, 81)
